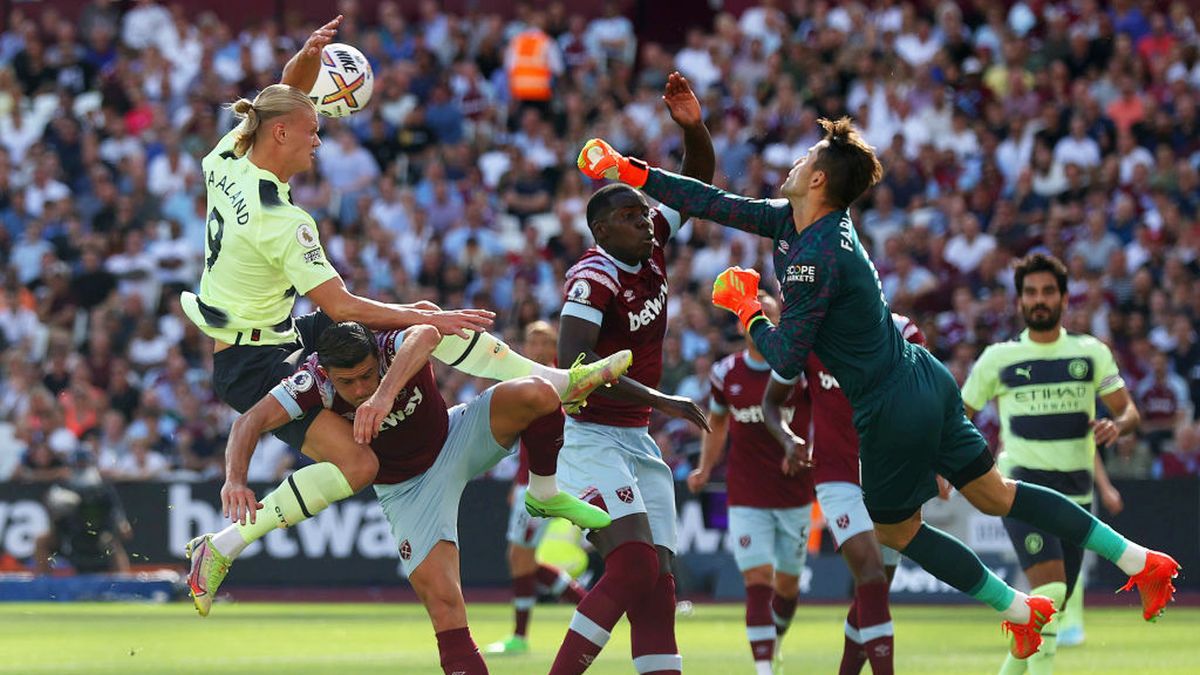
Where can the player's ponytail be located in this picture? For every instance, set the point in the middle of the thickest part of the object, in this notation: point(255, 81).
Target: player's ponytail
point(275, 100)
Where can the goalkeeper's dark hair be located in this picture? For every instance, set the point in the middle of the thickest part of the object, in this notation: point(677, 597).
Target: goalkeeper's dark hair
point(1040, 262)
point(849, 162)
point(600, 205)
point(345, 345)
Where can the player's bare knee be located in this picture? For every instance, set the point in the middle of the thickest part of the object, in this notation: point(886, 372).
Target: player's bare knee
point(871, 574)
point(540, 396)
point(360, 468)
point(762, 575)
point(787, 585)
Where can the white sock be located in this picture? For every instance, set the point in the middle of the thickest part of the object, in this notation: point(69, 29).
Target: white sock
point(542, 487)
point(558, 377)
point(1018, 611)
point(1133, 558)
point(763, 668)
point(229, 542)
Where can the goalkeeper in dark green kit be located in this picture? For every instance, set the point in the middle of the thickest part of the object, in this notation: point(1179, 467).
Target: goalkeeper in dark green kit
point(907, 407)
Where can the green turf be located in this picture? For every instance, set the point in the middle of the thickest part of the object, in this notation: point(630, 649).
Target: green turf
point(377, 638)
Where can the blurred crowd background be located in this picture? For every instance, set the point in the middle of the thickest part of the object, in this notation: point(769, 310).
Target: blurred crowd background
point(1068, 127)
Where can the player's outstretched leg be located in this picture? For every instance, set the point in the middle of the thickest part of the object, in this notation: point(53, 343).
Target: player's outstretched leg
point(437, 584)
point(1150, 571)
point(343, 468)
point(483, 355)
point(530, 408)
point(652, 625)
point(630, 574)
point(951, 561)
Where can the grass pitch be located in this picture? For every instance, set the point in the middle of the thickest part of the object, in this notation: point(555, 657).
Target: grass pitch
point(348, 639)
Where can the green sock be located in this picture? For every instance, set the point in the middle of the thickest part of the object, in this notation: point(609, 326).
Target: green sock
point(1072, 614)
point(1051, 511)
point(1012, 665)
point(1042, 663)
point(951, 561)
point(300, 496)
point(484, 355)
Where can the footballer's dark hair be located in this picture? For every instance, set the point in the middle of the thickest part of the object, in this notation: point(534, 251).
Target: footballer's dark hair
point(1040, 262)
point(601, 204)
point(345, 345)
point(849, 162)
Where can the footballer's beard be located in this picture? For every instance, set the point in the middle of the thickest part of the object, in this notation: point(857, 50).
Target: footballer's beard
point(1041, 317)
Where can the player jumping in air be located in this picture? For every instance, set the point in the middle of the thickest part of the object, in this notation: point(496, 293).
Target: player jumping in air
point(525, 532)
point(426, 453)
point(834, 448)
point(907, 407)
point(1046, 382)
point(262, 251)
point(616, 298)
point(770, 503)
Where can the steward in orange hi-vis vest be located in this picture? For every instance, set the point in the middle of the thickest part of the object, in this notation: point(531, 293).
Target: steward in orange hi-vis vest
point(530, 66)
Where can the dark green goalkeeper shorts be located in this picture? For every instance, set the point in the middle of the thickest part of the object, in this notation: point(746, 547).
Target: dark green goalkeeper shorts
point(911, 428)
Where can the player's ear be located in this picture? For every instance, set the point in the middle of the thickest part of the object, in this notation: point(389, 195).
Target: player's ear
point(279, 132)
point(817, 179)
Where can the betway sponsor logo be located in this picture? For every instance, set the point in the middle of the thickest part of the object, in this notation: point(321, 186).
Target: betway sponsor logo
point(20, 524)
point(650, 311)
point(754, 414)
point(344, 529)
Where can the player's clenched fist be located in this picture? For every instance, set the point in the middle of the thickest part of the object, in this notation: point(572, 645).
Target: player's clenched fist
point(598, 160)
point(736, 290)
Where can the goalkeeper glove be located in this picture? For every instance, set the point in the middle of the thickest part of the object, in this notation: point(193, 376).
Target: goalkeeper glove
point(736, 290)
point(598, 160)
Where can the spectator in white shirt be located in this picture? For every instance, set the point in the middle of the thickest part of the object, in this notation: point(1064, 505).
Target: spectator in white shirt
point(172, 170)
point(695, 62)
point(1131, 154)
point(1098, 245)
point(1078, 148)
point(149, 23)
point(135, 271)
point(350, 170)
point(908, 283)
point(611, 37)
point(918, 48)
point(1015, 151)
point(967, 249)
point(43, 189)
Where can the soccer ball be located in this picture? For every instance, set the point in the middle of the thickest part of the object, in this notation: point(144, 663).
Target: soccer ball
point(345, 82)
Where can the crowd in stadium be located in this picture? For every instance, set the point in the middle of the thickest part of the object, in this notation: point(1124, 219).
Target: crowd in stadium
point(1070, 129)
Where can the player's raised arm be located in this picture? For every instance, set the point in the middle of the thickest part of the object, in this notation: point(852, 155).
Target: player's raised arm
point(302, 69)
point(578, 336)
point(764, 217)
point(699, 157)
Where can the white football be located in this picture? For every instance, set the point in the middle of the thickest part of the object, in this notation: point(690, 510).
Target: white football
point(345, 82)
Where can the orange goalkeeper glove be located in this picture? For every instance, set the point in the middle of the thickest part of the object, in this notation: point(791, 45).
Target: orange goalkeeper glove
point(736, 290)
point(598, 160)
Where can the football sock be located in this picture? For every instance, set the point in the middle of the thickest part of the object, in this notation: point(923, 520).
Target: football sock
point(484, 355)
point(1071, 615)
point(524, 595)
point(630, 573)
point(760, 626)
point(853, 654)
point(460, 655)
point(652, 630)
point(560, 584)
point(299, 497)
point(1054, 513)
point(543, 438)
point(782, 611)
point(951, 561)
point(1042, 662)
point(875, 625)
